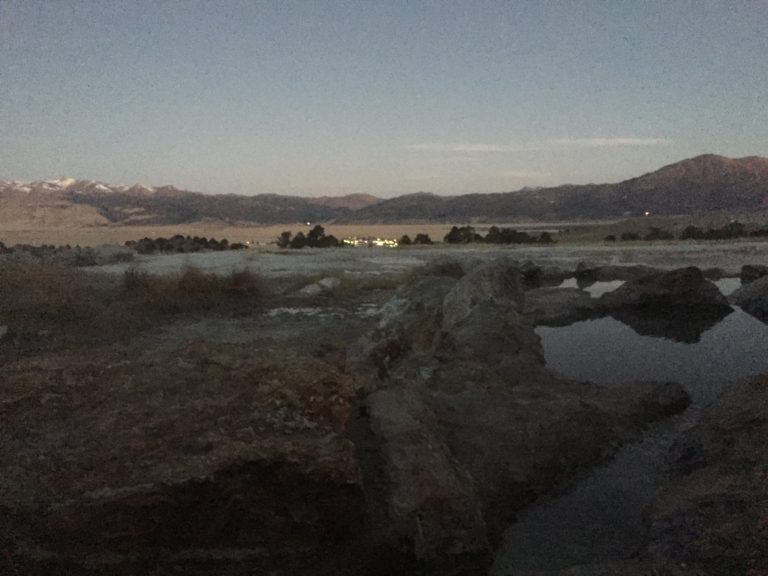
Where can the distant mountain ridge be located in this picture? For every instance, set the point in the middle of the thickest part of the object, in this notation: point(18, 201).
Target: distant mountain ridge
point(707, 183)
point(102, 203)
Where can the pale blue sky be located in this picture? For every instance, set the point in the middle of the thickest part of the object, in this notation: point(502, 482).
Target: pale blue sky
point(331, 97)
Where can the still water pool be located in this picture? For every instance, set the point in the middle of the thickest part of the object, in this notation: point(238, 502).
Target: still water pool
point(600, 518)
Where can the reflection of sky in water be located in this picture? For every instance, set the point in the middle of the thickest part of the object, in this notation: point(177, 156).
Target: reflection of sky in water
point(596, 289)
point(726, 285)
point(601, 517)
point(607, 351)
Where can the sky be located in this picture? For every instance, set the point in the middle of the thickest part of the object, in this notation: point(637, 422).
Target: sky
point(327, 97)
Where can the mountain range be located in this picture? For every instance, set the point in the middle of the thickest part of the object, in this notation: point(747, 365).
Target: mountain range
point(707, 183)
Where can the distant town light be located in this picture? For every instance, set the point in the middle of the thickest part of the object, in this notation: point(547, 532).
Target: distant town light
point(647, 213)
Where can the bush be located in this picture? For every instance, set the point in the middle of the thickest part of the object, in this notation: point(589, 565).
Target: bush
point(181, 244)
point(422, 239)
point(658, 234)
point(629, 236)
point(191, 291)
point(42, 299)
point(315, 238)
point(37, 296)
point(462, 235)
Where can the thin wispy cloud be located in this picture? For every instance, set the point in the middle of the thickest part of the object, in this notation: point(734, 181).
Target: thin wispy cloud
point(465, 148)
point(551, 144)
point(524, 174)
point(609, 142)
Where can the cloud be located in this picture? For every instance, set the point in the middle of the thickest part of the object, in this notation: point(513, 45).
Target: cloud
point(524, 174)
point(551, 144)
point(464, 148)
point(609, 142)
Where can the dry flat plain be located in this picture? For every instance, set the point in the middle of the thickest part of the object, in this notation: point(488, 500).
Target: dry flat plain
point(95, 235)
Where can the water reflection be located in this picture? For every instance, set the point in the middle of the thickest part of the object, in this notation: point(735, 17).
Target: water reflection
point(601, 517)
point(677, 324)
point(594, 289)
point(608, 351)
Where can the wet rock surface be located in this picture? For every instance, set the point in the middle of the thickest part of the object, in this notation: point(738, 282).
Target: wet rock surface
point(751, 272)
point(559, 306)
point(590, 272)
point(712, 515)
point(680, 304)
point(753, 298)
point(682, 288)
point(472, 425)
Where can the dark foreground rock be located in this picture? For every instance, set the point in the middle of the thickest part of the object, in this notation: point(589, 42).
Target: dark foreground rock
point(680, 304)
point(559, 306)
point(213, 460)
point(468, 424)
point(752, 272)
point(409, 454)
point(713, 516)
point(683, 288)
point(587, 272)
point(753, 298)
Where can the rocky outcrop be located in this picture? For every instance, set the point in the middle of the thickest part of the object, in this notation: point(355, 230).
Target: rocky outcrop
point(683, 288)
point(269, 458)
point(752, 272)
point(590, 272)
point(679, 305)
point(468, 426)
point(209, 460)
point(712, 515)
point(537, 275)
point(753, 298)
point(559, 306)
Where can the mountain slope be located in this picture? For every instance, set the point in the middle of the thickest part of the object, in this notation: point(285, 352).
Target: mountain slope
point(85, 202)
point(706, 183)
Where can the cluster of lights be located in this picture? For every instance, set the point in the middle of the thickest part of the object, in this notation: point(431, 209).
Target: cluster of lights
point(369, 242)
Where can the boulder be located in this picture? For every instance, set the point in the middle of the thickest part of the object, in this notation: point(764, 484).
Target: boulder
point(753, 298)
point(626, 272)
point(590, 272)
point(559, 306)
point(465, 425)
point(483, 328)
point(408, 327)
point(685, 288)
point(752, 272)
point(680, 305)
point(714, 273)
point(498, 283)
point(431, 515)
point(535, 275)
point(323, 286)
point(712, 514)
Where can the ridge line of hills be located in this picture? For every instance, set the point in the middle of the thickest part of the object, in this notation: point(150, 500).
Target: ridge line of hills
point(706, 183)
